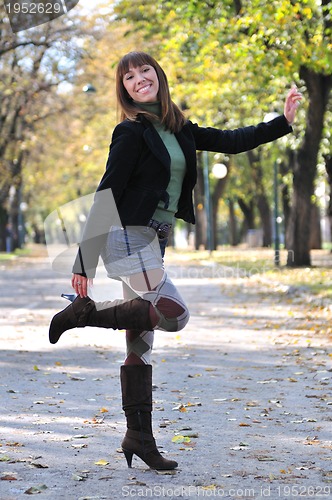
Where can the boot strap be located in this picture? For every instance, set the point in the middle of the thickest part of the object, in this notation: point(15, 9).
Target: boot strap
point(149, 441)
point(84, 314)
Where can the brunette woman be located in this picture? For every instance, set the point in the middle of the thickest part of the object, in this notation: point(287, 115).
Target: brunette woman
point(150, 175)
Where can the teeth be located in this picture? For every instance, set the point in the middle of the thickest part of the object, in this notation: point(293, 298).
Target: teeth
point(143, 89)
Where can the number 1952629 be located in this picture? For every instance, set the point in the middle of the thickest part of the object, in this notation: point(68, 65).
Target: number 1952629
point(34, 8)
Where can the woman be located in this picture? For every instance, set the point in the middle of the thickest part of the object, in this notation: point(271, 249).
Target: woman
point(150, 175)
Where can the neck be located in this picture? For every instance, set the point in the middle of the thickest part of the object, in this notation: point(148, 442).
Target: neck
point(150, 107)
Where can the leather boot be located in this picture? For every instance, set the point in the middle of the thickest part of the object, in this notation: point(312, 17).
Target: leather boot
point(117, 314)
point(136, 386)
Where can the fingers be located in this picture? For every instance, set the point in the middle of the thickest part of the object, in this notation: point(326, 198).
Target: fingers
point(294, 96)
point(80, 285)
point(291, 104)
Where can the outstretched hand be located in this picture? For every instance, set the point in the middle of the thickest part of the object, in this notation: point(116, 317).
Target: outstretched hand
point(291, 104)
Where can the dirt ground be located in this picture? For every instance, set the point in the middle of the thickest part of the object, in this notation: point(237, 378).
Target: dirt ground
point(242, 396)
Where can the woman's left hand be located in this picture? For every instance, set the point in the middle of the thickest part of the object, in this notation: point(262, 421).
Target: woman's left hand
point(291, 104)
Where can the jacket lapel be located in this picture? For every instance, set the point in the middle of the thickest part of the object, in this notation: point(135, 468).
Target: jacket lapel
point(156, 146)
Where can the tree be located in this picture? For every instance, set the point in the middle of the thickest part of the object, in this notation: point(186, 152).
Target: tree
point(226, 54)
point(33, 65)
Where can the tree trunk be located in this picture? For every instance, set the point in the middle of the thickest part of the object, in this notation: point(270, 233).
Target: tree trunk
point(328, 168)
point(249, 216)
point(298, 231)
point(233, 236)
point(284, 169)
point(265, 215)
point(315, 230)
point(261, 198)
point(216, 195)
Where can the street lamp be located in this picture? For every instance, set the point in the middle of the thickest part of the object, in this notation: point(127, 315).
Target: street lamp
point(89, 88)
point(219, 171)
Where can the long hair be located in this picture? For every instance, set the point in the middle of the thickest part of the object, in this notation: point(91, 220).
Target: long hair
point(171, 116)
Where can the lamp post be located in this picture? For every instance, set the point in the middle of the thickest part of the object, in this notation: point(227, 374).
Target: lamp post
point(219, 171)
point(276, 215)
point(207, 196)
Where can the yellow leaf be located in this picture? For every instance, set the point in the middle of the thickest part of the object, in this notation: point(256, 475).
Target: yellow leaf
point(180, 439)
point(102, 462)
point(36, 368)
point(58, 363)
point(103, 410)
point(183, 409)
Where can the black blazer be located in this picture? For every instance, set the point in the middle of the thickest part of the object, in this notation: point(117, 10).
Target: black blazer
point(138, 165)
point(138, 173)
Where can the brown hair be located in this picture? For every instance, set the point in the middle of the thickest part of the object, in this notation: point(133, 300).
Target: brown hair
point(171, 116)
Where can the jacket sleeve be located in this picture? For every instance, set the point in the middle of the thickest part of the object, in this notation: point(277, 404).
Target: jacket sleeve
point(123, 155)
point(241, 139)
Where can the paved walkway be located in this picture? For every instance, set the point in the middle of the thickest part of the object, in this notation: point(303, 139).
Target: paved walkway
point(246, 385)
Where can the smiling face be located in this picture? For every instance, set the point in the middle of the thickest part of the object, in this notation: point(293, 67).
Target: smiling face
point(142, 83)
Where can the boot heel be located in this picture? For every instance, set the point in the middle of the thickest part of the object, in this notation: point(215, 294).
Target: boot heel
point(129, 456)
point(69, 296)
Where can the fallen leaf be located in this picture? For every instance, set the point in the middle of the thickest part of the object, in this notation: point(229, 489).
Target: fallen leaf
point(180, 439)
point(76, 477)
point(8, 477)
point(39, 465)
point(36, 489)
point(166, 472)
point(102, 462)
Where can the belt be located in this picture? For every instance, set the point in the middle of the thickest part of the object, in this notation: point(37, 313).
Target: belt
point(162, 228)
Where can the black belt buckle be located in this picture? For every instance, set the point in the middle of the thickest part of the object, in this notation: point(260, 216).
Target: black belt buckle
point(162, 228)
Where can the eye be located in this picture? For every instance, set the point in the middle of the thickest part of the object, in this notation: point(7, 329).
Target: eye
point(128, 77)
point(146, 69)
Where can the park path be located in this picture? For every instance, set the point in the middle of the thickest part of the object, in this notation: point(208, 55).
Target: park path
point(242, 396)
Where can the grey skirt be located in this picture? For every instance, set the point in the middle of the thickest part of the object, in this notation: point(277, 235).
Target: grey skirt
point(131, 250)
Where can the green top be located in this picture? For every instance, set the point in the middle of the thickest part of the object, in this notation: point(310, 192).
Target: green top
point(178, 167)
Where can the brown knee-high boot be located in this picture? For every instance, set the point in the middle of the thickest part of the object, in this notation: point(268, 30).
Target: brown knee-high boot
point(136, 386)
point(117, 314)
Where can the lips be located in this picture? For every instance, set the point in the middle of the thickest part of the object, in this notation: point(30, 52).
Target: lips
point(144, 89)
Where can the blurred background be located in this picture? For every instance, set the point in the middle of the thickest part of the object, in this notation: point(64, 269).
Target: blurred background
point(229, 64)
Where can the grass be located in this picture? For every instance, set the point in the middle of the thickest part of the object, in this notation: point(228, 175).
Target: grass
point(260, 263)
point(245, 261)
point(27, 251)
